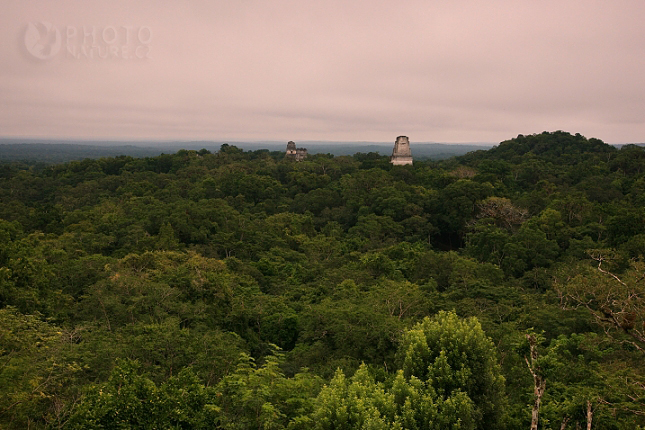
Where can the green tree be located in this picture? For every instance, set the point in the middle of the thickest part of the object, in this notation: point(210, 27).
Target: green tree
point(130, 400)
point(362, 403)
point(262, 397)
point(34, 377)
point(616, 303)
point(449, 379)
point(452, 355)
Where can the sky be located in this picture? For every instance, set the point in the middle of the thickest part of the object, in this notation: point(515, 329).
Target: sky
point(349, 70)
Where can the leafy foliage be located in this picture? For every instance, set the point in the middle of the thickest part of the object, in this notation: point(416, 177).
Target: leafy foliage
point(157, 289)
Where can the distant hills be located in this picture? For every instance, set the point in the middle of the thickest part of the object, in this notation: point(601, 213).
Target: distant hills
point(58, 151)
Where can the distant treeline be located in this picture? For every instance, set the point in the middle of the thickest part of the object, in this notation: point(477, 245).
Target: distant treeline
point(13, 150)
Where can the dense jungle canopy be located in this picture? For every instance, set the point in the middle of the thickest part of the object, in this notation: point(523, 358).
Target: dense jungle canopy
point(240, 289)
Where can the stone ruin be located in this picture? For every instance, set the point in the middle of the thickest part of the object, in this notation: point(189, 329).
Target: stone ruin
point(297, 154)
point(401, 155)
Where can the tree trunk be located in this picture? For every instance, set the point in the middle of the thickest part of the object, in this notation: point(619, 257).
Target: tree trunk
point(565, 421)
point(589, 415)
point(539, 382)
point(538, 390)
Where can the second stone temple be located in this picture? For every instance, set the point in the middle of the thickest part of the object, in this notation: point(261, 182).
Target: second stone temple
point(401, 154)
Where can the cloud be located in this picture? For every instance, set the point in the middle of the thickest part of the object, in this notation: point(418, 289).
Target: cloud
point(449, 71)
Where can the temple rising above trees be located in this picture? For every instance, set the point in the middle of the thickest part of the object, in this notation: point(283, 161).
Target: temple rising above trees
point(297, 154)
point(401, 155)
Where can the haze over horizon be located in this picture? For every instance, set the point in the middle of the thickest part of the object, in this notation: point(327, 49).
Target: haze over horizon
point(446, 71)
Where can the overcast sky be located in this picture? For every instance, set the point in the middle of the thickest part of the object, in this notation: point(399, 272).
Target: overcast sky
point(441, 71)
